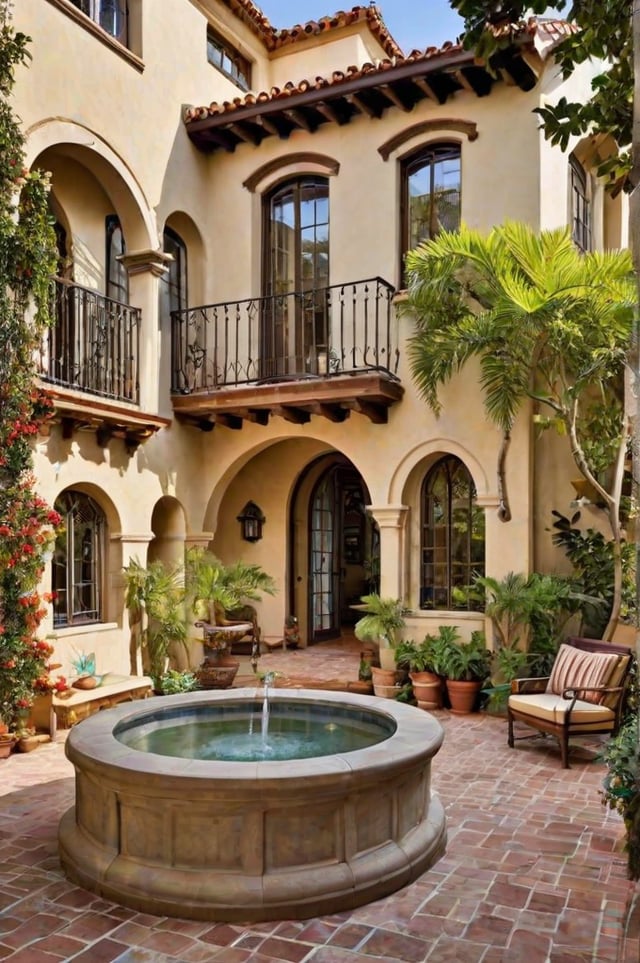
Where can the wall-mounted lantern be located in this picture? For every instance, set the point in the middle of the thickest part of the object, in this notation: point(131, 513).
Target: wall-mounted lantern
point(251, 520)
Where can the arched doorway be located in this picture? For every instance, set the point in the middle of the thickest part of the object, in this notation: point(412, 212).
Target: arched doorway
point(340, 553)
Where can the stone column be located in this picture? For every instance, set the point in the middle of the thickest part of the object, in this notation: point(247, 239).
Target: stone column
point(392, 522)
point(132, 545)
point(145, 268)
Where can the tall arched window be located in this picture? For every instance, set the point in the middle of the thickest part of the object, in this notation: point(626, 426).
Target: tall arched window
point(580, 205)
point(430, 198)
point(78, 561)
point(173, 284)
point(452, 542)
point(117, 286)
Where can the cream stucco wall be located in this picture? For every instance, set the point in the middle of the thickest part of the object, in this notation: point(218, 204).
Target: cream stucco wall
point(113, 136)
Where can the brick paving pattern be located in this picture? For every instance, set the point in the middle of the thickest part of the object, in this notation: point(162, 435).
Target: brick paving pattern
point(534, 868)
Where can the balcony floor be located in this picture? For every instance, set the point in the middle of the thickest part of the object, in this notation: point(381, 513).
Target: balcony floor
point(370, 393)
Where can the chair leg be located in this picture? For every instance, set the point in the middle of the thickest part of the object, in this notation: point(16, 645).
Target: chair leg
point(564, 749)
point(510, 733)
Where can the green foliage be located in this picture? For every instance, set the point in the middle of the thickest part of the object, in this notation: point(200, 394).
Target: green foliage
point(621, 787)
point(154, 597)
point(27, 524)
point(383, 621)
point(465, 661)
point(174, 681)
point(591, 556)
point(547, 324)
point(224, 586)
point(605, 35)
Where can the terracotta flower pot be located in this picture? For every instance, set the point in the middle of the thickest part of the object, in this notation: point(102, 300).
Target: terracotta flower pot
point(85, 682)
point(463, 696)
point(383, 676)
point(427, 688)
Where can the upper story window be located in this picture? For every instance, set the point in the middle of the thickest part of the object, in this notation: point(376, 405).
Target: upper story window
point(228, 60)
point(78, 561)
point(173, 284)
point(111, 15)
point(430, 199)
point(453, 535)
point(117, 286)
point(580, 205)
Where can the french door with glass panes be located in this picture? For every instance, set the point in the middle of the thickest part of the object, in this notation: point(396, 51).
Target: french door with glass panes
point(295, 316)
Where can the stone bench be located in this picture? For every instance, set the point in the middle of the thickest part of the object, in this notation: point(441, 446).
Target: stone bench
point(112, 690)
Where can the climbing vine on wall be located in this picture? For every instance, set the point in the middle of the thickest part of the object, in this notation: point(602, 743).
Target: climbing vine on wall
point(27, 262)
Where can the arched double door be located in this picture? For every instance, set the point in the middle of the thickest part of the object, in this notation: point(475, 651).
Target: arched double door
point(337, 559)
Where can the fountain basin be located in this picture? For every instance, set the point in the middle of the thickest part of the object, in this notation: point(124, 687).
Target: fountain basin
point(250, 841)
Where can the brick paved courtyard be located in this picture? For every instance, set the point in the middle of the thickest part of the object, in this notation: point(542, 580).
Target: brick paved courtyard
point(534, 868)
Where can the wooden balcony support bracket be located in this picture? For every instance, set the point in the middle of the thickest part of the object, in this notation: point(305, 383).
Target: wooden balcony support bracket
point(74, 412)
point(296, 416)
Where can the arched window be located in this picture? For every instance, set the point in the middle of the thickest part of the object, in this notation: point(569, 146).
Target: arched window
point(78, 561)
point(580, 205)
point(173, 283)
point(452, 543)
point(117, 276)
point(430, 198)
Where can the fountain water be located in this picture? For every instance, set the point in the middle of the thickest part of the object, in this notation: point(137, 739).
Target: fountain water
point(186, 836)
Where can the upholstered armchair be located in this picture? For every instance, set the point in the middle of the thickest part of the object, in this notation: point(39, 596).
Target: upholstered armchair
point(584, 694)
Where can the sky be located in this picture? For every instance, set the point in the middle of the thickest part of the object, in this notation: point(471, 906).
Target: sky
point(414, 24)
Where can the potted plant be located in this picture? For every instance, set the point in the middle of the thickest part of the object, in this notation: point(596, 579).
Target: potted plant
point(155, 598)
point(466, 666)
point(215, 589)
point(425, 663)
point(382, 622)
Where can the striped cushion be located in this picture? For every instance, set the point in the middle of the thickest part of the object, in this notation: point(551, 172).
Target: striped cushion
point(574, 668)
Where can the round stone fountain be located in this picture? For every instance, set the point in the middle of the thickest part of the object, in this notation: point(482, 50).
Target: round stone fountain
point(209, 839)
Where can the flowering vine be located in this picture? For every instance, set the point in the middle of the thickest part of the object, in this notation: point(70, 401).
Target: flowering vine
point(27, 524)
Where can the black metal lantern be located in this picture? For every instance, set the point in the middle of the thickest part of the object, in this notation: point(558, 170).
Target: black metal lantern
point(251, 519)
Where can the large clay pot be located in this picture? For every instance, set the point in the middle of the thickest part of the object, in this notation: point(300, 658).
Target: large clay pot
point(463, 696)
point(383, 676)
point(427, 689)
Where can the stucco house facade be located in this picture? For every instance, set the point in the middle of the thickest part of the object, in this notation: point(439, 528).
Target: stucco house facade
point(232, 205)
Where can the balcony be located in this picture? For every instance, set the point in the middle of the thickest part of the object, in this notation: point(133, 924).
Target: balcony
point(89, 362)
point(327, 352)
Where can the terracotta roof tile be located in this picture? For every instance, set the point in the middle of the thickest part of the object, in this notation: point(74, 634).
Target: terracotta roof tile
point(544, 34)
point(274, 39)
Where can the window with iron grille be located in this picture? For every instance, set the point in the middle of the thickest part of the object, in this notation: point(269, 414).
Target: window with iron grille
point(228, 60)
point(453, 535)
point(111, 15)
point(78, 561)
point(430, 201)
point(580, 205)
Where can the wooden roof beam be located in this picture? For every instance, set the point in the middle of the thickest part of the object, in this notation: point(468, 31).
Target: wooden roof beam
point(362, 105)
point(301, 119)
point(377, 414)
point(422, 84)
point(392, 95)
point(335, 413)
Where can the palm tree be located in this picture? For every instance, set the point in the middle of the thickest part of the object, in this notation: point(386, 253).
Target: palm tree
point(548, 324)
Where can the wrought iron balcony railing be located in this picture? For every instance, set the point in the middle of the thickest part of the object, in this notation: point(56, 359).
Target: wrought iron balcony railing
point(337, 330)
point(93, 344)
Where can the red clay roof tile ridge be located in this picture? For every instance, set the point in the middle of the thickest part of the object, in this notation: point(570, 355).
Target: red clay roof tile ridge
point(371, 15)
point(338, 76)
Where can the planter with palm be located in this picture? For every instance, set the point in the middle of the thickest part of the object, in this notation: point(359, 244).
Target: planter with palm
point(382, 623)
point(155, 599)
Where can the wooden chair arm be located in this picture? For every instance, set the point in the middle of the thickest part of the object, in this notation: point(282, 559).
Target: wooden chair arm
point(571, 692)
point(529, 686)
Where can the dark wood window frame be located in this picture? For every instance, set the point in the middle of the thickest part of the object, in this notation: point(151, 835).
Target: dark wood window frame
point(78, 586)
point(426, 156)
point(581, 227)
point(116, 276)
point(226, 58)
point(432, 590)
point(111, 15)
